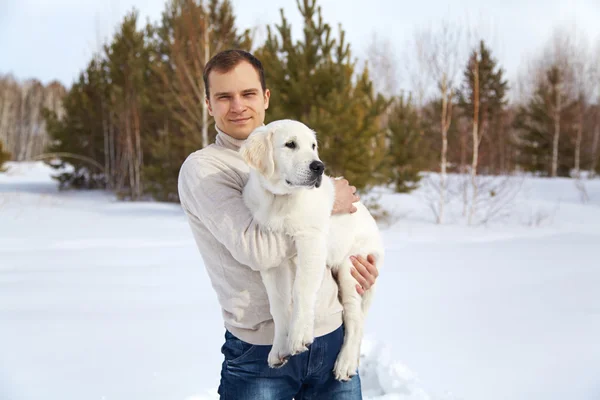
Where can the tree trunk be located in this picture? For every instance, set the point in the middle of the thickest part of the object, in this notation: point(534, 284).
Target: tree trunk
point(106, 136)
point(112, 149)
point(595, 145)
point(463, 169)
point(445, 125)
point(204, 106)
point(578, 140)
point(502, 153)
point(475, 141)
point(138, 150)
point(556, 133)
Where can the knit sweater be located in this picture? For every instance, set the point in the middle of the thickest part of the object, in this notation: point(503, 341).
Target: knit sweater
point(235, 249)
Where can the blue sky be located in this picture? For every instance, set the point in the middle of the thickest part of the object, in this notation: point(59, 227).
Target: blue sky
point(54, 39)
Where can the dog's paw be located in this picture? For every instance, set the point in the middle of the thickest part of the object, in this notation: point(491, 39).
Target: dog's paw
point(301, 335)
point(279, 355)
point(296, 344)
point(277, 360)
point(300, 339)
point(346, 366)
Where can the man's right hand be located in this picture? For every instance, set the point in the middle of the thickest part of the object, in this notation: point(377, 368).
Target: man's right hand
point(345, 196)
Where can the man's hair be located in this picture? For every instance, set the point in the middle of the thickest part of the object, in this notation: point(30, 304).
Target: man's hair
point(227, 60)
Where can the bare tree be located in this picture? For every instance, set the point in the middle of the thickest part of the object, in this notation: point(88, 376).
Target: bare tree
point(383, 65)
point(560, 76)
point(595, 87)
point(476, 137)
point(439, 54)
point(583, 89)
point(10, 100)
point(22, 127)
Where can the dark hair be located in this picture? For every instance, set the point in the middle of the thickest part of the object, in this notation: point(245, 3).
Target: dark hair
point(227, 60)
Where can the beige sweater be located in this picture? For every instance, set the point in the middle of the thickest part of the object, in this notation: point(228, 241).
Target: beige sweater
point(234, 248)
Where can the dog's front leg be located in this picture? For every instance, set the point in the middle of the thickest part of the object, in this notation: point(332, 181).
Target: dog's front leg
point(278, 283)
point(310, 268)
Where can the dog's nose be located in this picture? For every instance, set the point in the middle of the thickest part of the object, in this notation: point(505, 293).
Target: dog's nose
point(317, 167)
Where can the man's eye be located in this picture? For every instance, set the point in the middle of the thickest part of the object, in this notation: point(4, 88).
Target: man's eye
point(291, 145)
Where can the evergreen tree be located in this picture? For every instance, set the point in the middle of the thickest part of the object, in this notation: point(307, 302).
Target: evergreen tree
point(128, 68)
point(315, 81)
point(77, 138)
point(4, 157)
point(536, 124)
point(492, 102)
point(188, 34)
point(137, 111)
point(406, 158)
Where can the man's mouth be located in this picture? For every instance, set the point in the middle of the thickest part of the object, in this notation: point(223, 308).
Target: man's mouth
point(239, 120)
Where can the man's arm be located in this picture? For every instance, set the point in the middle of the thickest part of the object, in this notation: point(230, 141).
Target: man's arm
point(214, 197)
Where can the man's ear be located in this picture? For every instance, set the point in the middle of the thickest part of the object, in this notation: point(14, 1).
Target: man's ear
point(257, 151)
point(208, 106)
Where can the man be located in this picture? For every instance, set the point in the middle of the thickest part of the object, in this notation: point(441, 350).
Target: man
point(234, 250)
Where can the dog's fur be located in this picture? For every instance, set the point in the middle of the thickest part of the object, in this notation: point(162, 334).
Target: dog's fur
point(288, 192)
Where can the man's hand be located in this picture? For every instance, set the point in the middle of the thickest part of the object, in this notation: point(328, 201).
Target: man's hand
point(365, 272)
point(345, 196)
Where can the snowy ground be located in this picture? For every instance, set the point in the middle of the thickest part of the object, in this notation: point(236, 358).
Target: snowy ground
point(106, 300)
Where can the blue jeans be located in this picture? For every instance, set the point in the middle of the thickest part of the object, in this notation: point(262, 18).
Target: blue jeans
point(245, 374)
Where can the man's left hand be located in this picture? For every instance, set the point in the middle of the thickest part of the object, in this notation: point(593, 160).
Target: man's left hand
point(365, 272)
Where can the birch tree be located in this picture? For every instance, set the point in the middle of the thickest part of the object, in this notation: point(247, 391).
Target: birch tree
point(439, 53)
point(595, 88)
point(482, 101)
point(383, 65)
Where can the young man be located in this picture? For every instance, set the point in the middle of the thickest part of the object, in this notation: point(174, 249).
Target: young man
point(234, 250)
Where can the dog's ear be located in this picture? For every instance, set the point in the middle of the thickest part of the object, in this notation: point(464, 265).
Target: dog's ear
point(257, 151)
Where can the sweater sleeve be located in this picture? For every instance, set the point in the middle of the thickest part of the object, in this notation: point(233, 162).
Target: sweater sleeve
point(213, 195)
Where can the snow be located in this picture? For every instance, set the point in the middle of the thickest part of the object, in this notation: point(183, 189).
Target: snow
point(102, 299)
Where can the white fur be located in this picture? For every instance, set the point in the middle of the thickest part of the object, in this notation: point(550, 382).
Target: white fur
point(284, 195)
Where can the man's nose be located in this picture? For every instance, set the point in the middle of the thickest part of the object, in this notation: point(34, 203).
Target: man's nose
point(237, 104)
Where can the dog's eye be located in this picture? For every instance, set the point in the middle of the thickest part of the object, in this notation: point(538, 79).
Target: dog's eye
point(314, 146)
point(291, 145)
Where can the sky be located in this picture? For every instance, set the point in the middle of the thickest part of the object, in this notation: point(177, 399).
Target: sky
point(55, 39)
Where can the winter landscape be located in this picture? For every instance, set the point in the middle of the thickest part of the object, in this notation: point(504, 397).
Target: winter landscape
point(472, 133)
point(103, 299)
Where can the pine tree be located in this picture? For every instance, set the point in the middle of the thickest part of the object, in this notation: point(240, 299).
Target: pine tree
point(100, 134)
point(4, 157)
point(315, 81)
point(406, 137)
point(127, 61)
point(538, 123)
point(137, 110)
point(76, 139)
point(188, 34)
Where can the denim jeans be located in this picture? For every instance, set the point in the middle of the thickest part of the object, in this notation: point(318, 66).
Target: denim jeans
point(245, 374)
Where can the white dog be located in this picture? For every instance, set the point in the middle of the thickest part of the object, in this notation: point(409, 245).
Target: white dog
point(288, 192)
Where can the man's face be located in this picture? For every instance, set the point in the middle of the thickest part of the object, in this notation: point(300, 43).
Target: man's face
point(237, 101)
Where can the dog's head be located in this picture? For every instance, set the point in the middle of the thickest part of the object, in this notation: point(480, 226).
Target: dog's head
point(285, 154)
